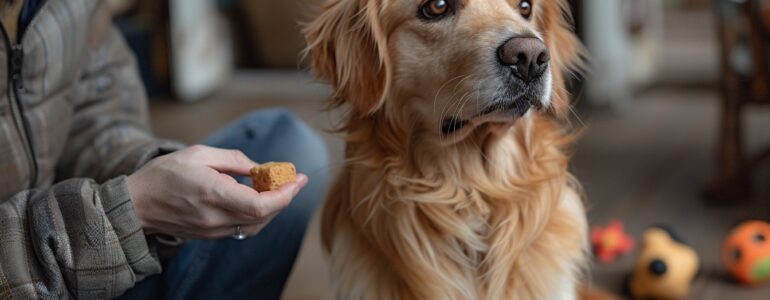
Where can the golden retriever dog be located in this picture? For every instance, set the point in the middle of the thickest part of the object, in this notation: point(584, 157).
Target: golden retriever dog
point(456, 182)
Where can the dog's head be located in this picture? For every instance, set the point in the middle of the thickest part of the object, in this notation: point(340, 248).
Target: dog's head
point(453, 65)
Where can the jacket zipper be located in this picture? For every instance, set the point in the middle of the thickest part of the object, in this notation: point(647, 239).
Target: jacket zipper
point(15, 63)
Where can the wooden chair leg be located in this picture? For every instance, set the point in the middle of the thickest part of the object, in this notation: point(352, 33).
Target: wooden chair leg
point(732, 183)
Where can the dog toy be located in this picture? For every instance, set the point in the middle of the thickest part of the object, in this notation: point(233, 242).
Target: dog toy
point(611, 241)
point(665, 267)
point(746, 253)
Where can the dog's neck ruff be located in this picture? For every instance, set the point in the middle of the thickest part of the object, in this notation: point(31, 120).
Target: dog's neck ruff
point(481, 204)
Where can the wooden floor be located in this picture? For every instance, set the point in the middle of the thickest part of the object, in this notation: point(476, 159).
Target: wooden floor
point(647, 165)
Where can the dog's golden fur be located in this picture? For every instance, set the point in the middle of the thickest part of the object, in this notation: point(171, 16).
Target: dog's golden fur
point(489, 214)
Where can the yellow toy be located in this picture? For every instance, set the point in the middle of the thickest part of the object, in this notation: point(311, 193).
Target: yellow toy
point(665, 267)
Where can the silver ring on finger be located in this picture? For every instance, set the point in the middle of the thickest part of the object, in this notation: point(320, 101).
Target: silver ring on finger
point(239, 235)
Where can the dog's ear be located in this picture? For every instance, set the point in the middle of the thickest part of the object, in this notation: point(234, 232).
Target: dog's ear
point(567, 52)
point(348, 48)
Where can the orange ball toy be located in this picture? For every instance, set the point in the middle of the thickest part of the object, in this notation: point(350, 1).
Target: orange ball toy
point(746, 253)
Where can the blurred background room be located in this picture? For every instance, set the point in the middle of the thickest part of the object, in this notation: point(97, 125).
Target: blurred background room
point(675, 130)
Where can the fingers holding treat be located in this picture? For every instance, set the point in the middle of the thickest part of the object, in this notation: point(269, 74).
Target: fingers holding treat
point(257, 205)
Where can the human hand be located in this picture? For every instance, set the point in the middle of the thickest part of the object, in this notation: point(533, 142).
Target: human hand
point(190, 194)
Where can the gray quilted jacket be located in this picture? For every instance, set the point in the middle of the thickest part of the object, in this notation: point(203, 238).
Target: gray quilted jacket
point(73, 123)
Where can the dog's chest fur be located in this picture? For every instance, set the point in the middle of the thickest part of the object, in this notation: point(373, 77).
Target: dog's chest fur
point(502, 223)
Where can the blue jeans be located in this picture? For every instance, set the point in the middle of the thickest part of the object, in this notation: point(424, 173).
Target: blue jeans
point(258, 267)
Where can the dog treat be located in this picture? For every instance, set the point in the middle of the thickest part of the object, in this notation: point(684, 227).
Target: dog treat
point(272, 175)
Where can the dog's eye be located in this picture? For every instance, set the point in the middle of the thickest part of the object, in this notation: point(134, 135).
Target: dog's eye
point(525, 8)
point(434, 9)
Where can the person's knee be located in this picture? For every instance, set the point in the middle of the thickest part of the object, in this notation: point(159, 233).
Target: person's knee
point(271, 117)
point(315, 156)
point(290, 139)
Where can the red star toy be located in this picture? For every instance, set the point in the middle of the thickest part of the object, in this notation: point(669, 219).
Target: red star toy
point(611, 241)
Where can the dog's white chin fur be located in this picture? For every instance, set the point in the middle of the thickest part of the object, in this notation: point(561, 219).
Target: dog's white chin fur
point(546, 100)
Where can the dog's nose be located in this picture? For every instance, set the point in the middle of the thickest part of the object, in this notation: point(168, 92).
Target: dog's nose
point(528, 57)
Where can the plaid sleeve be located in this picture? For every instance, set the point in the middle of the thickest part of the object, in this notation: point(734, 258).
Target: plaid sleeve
point(76, 239)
